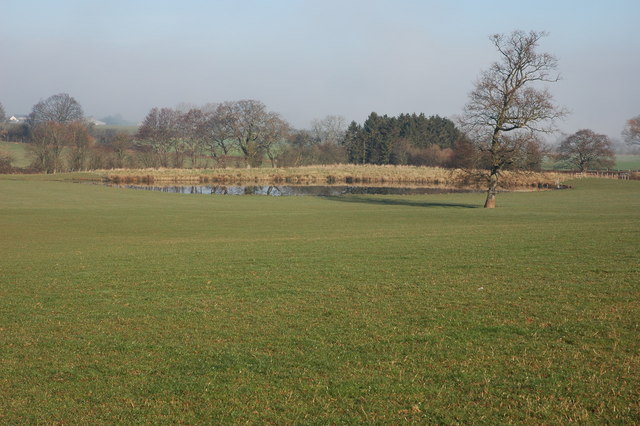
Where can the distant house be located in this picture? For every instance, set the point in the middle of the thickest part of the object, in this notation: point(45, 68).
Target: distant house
point(96, 122)
point(20, 119)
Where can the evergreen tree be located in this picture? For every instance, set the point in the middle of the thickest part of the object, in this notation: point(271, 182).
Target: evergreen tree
point(395, 140)
point(354, 143)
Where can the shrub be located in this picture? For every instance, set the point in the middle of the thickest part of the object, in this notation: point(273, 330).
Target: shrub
point(6, 160)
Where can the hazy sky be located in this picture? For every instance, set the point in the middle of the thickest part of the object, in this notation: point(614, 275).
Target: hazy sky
point(308, 59)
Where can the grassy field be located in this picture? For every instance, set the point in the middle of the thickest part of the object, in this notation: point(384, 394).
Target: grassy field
point(628, 162)
point(122, 306)
point(18, 152)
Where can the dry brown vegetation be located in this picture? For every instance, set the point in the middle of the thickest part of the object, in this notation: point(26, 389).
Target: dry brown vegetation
point(336, 174)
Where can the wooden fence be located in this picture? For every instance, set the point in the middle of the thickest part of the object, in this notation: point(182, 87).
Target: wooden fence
point(623, 175)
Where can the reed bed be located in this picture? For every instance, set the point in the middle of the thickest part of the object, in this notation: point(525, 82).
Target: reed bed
point(336, 174)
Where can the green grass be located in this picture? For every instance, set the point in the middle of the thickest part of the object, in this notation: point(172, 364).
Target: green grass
point(130, 129)
point(18, 152)
point(121, 306)
point(628, 162)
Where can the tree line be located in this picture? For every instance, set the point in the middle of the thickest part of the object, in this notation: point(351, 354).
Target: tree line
point(241, 133)
point(412, 139)
point(246, 128)
point(246, 134)
point(499, 130)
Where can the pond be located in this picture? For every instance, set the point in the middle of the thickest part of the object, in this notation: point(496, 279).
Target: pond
point(292, 190)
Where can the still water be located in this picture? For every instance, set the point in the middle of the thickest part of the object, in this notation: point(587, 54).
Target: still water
point(284, 190)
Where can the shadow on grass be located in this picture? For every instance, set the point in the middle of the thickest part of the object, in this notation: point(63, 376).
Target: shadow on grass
point(397, 202)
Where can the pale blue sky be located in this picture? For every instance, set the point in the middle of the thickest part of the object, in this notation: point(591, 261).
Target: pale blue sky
point(308, 59)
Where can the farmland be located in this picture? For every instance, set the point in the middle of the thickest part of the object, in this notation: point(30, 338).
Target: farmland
point(628, 162)
point(121, 306)
point(18, 152)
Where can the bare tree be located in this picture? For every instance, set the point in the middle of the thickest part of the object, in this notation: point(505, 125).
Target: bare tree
point(587, 150)
point(6, 160)
point(185, 107)
point(80, 143)
point(5, 157)
point(329, 130)
point(50, 139)
point(246, 119)
point(159, 133)
point(507, 100)
point(218, 131)
point(120, 144)
point(3, 119)
point(47, 142)
point(631, 132)
point(213, 129)
point(298, 149)
point(274, 136)
point(190, 132)
point(255, 130)
point(60, 108)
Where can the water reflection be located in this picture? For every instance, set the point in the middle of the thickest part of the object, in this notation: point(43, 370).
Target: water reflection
point(281, 191)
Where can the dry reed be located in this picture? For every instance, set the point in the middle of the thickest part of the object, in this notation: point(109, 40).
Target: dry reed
point(335, 174)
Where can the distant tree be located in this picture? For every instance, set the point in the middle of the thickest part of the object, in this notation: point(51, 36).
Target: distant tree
point(274, 136)
point(191, 131)
point(587, 150)
point(422, 131)
point(102, 135)
point(304, 148)
point(255, 130)
point(406, 139)
point(631, 132)
point(403, 151)
point(47, 142)
point(432, 156)
point(217, 131)
point(441, 131)
point(326, 141)
point(329, 130)
point(159, 133)
point(328, 153)
point(167, 136)
point(117, 148)
point(6, 161)
point(17, 132)
point(60, 108)
point(80, 143)
point(3, 119)
point(299, 149)
point(381, 133)
point(506, 101)
point(115, 120)
point(464, 155)
point(355, 144)
point(184, 107)
point(531, 155)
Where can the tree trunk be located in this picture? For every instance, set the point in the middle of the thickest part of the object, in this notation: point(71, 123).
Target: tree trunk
point(490, 203)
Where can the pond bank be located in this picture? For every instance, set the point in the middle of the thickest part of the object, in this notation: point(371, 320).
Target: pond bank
point(335, 175)
point(292, 190)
